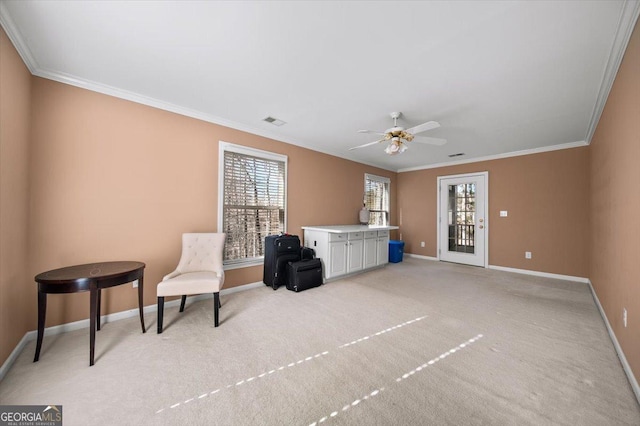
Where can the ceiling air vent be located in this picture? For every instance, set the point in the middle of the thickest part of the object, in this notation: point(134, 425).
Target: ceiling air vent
point(274, 121)
point(456, 155)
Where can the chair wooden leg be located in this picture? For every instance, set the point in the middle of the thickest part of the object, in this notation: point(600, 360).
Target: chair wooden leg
point(160, 313)
point(216, 307)
point(184, 299)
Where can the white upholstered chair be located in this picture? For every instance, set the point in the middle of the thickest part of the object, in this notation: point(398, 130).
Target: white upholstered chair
point(199, 271)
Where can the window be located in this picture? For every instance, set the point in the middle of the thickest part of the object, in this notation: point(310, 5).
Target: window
point(376, 198)
point(251, 201)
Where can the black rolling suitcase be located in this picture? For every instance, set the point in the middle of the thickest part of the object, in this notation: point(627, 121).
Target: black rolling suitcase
point(304, 274)
point(279, 250)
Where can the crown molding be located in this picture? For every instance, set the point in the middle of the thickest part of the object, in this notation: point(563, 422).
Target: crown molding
point(569, 145)
point(626, 24)
point(16, 38)
point(149, 101)
point(27, 57)
point(187, 112)
point(628, 17)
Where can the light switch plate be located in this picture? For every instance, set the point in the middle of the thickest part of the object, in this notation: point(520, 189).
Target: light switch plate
point(503, 213)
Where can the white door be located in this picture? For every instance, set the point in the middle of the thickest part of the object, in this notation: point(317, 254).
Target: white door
point(383, 250)
point(355, 255)
point(337, 259)
point(463, 206)
point(370, 252)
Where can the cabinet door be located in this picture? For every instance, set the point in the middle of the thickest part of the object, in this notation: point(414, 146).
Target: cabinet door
point(337, 264)
point(355, 255)
point(383, 250)
point(370, 252)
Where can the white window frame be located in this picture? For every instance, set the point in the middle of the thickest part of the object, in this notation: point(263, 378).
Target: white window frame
point(254, 152)
point(387, 182)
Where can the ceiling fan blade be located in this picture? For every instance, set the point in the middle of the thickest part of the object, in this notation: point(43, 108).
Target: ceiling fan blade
point(370, 131)
point(423, 127)
point(430, 141)
point(367, 144)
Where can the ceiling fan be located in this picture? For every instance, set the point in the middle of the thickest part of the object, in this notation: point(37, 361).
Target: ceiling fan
point(399, 136)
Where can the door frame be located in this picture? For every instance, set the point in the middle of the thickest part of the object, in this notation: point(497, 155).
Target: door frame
point(485, 177)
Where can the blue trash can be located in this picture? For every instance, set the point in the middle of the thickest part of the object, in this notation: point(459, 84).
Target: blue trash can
point(396, 248)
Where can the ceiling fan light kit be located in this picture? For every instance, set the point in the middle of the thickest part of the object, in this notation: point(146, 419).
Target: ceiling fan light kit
point(398, 136)
point(396, 147)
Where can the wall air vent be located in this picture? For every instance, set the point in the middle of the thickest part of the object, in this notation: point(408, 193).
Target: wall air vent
point(460, 154)
point(274, 121)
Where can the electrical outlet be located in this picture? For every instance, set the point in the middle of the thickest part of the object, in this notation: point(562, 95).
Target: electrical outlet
point(421, 243)
point(135, 284)
point(527, 255)
point(624, 317)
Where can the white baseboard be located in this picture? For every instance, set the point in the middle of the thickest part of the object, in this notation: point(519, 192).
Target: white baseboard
point(14, 354)
point(515, 270)
point(76, 325)
point(540, 274)
point(419, 256)
point(623, 360)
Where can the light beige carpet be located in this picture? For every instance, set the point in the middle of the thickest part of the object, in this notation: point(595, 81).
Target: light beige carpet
point(414, 343)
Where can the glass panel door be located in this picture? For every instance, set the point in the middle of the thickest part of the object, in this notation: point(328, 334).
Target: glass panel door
point(462, 217)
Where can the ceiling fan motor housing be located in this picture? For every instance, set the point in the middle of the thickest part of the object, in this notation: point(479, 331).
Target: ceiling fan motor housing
point(395, 131)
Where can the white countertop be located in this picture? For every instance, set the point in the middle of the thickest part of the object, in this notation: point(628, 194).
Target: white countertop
point(349, 228)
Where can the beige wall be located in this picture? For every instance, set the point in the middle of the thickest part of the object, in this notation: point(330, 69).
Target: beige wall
point(16, 291)
point(113, 179)
point(86, 177)
point(615, 205)
point(547, 199)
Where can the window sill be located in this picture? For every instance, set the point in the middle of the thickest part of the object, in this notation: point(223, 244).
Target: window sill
point(240, 265)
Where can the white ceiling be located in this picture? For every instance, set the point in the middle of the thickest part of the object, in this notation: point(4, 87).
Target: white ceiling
point(499, 76)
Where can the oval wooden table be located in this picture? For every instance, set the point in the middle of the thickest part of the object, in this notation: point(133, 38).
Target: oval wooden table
point(92, 277)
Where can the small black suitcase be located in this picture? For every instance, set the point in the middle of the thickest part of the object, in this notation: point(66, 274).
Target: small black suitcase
point(307, 253)
point(279, 250)
point(304, 274)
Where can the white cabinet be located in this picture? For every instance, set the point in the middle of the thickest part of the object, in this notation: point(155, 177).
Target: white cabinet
point(370, 249)
point(338, 256)
point(383, 247)
point(355, 246)
point(348, 249)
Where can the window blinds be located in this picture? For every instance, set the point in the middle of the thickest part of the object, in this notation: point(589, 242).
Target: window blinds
point(254, 204)
point(376, 199)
